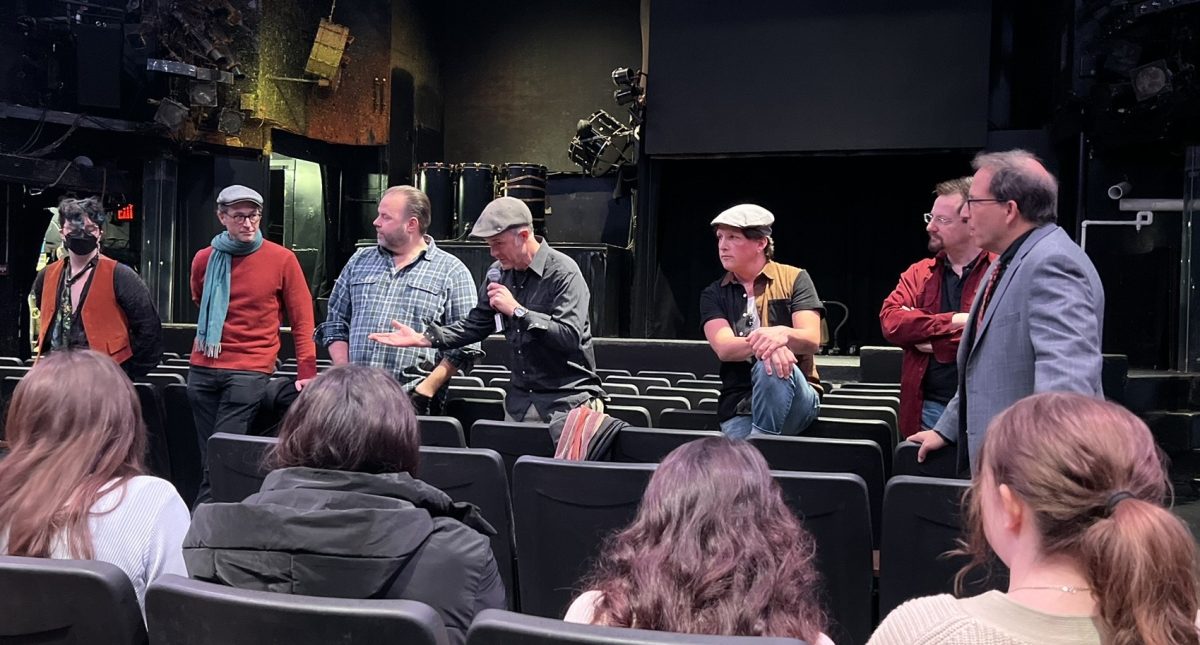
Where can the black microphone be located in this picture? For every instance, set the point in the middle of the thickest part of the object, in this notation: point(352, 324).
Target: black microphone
point(493, 275)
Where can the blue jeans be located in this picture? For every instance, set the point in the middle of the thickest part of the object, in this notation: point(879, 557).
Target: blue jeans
point(778, 405)
point(931, 411)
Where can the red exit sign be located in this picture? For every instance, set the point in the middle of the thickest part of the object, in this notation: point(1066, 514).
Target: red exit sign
point(125, 213)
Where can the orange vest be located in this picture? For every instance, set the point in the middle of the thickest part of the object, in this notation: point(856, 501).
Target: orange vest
point(104, 322)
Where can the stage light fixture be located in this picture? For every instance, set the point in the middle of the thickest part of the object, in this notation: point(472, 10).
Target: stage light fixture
point(203, 93)
point(627, 95)
point(170, 114)
point(230, 121)
point(1150, 80)
point(623, 76)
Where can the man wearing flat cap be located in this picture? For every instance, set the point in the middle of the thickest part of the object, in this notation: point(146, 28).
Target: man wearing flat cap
point(242, 284)
point(763, 320)
point(542, 301)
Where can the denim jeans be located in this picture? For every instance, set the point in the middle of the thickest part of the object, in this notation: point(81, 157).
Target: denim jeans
point(779, 406)
point(931, 411)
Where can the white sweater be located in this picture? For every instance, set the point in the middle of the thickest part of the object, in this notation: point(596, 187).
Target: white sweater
point(988, 619)
point(140, 531)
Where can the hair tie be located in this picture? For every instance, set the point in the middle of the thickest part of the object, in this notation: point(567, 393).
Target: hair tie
point(1114, 499)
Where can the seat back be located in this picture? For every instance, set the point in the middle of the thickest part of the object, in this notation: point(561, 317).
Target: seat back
point(634, 415)
point(641, 382)
point(872, 424)
point(468, 411)
point(512, 440)
point(604, 373)
point(162, 379)
point(673, 377)
point(864, 385)
point(939, 463)
point(689, 419)
point(471, 392)
point(183, 443)
point(477, 476)
point(650, 445)
point(814, 454)
point(834, 509)
point(467, 381)
point(68, 602)
point(880, 364)
point(235, 465)
point(180, 611)
point(621, 388)
point(653, 404)
point(563, 510)
point(840, 397)
point(700, 384)
point(496, 627)
point(442, 431)
point(158, 457)
point(693, 395)
point(921, 521)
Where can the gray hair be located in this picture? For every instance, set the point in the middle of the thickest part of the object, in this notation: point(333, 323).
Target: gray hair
point(758, 233)
point(416, 204)
point(1019, 176)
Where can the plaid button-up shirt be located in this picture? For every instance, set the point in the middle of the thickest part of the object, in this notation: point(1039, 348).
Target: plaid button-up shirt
point(371, 292)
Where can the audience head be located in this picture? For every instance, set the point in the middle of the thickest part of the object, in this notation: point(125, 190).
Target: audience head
point(713, 550)
point(944, 223)
point(73, 426)
point(1011, 192)
point(352, 418)
point(1065, 477)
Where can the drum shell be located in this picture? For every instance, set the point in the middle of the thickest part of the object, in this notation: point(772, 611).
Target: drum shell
point(474, 188)
point(436, 180)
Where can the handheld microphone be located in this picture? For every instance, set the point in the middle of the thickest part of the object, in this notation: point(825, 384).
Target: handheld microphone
point(493, 275)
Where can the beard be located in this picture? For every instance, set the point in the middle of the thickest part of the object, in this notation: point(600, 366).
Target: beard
point(936, 244)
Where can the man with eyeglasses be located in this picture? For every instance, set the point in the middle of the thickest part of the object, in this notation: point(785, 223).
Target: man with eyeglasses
point(89, 301)
point(242, 283)
point(1036, 323)
point(926, 312)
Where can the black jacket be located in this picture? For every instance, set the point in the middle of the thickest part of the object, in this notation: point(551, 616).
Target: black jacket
point(351, 535)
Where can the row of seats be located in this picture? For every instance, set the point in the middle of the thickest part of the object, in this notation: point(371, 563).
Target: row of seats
point(89, 602)
point(560, 510)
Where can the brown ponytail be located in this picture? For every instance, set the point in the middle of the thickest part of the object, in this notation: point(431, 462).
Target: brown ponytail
point(1094, 479)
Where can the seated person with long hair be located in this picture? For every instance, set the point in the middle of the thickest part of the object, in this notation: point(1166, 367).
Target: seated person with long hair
point(71, 486)
point(713, 550)
point(1069, 495)
point(343, 515)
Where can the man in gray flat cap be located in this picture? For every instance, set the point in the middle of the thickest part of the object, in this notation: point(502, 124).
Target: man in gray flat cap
point(242, 284)
point(540, 301)
point(763, 320)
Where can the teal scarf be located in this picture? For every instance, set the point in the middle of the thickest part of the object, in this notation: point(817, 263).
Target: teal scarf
point(214, 304)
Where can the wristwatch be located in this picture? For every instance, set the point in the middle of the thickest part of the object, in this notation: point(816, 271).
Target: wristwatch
point(520, 312)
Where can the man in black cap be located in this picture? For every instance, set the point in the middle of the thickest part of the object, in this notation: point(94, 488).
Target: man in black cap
point(541, 300)
point(763, 320)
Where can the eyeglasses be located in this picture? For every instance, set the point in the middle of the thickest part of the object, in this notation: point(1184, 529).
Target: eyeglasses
point(90, 230)
point(971, 200)
point(242, 218)
point(941, 220)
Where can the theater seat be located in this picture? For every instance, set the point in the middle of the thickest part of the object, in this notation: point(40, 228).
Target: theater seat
point(180, 611)
point(441, 431)
point(689, 420)
point(183, 444)
point(939, 463)
point(235, 465)
point(67, 602)
point(921, 521)
point(496, 627)
point(512, 440)
point(650, 445)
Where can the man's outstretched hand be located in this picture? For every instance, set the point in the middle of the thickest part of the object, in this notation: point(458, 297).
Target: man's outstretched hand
point(403, 336)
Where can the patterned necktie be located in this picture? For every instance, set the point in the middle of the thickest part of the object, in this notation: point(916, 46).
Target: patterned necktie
point(987, 295)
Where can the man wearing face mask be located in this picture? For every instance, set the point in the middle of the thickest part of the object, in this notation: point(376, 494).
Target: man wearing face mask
point(89, 301)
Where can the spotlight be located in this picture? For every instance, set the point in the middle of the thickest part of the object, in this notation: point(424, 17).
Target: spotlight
point(627, 95)
point(170, 114)
point(203, 93)
point(230, 121)
point(624, 76)
point(1150, 80)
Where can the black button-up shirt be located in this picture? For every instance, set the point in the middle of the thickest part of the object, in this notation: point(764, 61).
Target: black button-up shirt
point(553, 365)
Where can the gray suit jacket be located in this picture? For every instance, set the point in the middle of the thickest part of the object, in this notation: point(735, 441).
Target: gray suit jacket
point(1041, 332)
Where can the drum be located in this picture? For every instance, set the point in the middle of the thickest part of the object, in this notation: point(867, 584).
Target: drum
point(436, 180)
point(600, 144)
point(474, 187)
point(527, 182)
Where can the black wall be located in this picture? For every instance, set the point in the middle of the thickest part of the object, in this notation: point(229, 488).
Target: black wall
point(518, 76)
point(788, 76)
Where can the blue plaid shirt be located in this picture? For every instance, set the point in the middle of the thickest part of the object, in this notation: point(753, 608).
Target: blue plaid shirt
point(371, 292)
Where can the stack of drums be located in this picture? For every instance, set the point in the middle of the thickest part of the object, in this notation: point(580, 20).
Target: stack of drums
point(457, 194)
point(527, 182)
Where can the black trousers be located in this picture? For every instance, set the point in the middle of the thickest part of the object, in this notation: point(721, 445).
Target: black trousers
point(222, 401)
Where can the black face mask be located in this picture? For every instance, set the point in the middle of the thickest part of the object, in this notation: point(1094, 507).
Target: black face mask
point(82, 244)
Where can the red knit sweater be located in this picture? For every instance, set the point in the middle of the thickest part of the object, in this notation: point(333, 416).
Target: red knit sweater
point(262, 286)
